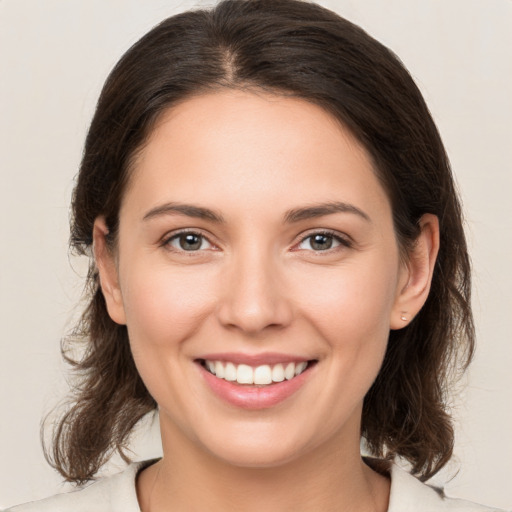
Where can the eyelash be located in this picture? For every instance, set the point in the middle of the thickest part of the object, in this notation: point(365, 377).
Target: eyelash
point(176, 235)
point(343, 241)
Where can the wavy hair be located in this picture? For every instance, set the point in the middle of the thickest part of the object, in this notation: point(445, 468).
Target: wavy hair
point(292, 48)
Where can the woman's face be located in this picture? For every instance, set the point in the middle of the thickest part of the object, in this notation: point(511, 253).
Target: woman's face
point(255, 240)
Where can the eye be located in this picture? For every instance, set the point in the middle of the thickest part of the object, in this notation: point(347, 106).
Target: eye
point(322, 241)
point(189, 241)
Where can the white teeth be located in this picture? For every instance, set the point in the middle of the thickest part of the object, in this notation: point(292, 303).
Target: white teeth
point(244, 374)
point(230, 372)
point(289, 371)
point(299, 368)
point(219, 369)
point(261, 375)
point(211, 366)
point(278, 373)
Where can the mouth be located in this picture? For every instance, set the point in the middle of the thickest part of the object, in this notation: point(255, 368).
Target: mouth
point(262, 375)
point(255, 381)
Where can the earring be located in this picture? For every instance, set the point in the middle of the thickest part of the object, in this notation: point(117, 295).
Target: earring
point(403, 317)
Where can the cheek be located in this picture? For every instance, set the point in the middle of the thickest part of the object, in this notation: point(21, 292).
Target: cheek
point(349, 311)
point(164, 306)
point(352, 303)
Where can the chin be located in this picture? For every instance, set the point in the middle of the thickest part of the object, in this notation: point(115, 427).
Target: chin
point(264, 444)
point(255, 456)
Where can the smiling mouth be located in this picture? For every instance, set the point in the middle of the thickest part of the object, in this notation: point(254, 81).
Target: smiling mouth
point(262, 375)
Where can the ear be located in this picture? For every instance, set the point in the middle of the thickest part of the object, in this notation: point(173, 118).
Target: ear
point(416, 273)
point(107, 268)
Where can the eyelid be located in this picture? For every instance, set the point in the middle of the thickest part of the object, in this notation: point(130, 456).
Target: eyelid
point(164, 242)
point(344, 240)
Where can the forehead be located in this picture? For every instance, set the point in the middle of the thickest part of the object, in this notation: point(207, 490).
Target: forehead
point(257, 146)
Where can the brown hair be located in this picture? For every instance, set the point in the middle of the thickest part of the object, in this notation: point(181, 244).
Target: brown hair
point(295, 48)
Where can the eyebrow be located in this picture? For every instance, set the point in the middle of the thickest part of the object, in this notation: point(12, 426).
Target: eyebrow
point(290, 217)
point(319, 210)
point(189, 210)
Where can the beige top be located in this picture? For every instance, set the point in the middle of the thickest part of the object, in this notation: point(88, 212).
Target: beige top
point(117, 494)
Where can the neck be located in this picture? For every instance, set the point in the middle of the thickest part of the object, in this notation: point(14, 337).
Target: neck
point(328, 478)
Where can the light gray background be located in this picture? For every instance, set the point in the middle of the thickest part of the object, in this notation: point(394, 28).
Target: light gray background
point(54, 57)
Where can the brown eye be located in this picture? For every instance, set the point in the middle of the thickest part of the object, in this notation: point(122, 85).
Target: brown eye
point(322, 242)
point(189, 242)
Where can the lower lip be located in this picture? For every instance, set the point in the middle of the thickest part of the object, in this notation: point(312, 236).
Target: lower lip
point(254, 397)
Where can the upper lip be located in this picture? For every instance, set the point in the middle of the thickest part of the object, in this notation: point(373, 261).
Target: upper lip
point(269, 358)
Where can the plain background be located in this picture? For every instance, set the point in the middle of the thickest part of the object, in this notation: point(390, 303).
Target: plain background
point(54, 57)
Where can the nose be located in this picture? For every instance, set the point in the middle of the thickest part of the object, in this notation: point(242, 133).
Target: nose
point(254, 297)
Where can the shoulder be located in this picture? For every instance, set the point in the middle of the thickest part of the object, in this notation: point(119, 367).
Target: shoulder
point(408, 494)
point(116, 493)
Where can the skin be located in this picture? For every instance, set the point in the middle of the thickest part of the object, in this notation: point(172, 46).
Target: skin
point(255, 285)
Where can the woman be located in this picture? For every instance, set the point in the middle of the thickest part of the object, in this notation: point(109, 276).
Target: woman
point(279, 268)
